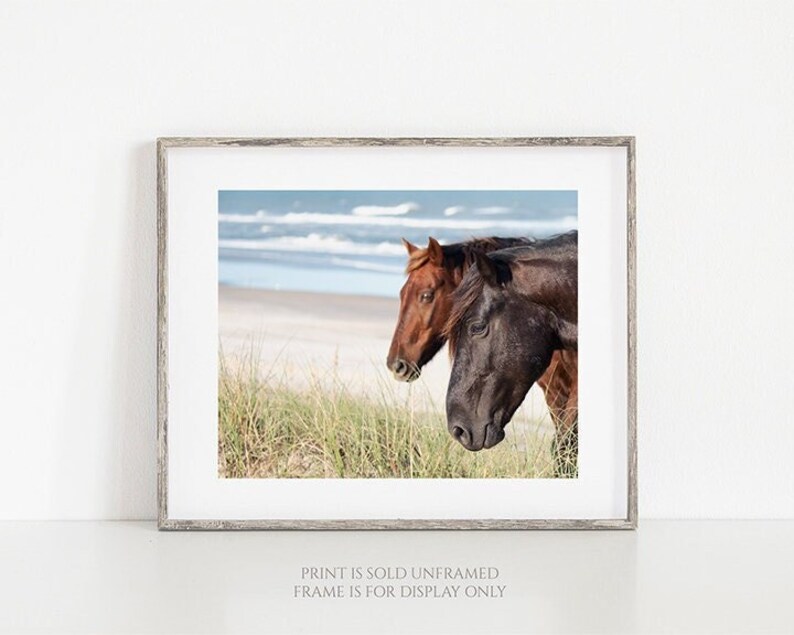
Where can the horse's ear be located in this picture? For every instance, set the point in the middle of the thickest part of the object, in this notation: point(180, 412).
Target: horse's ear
point(487, 269)
point(409, 247)
point(434, 252)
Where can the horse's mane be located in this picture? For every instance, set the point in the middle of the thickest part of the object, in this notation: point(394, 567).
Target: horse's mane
point(462, 254)
point(471, 287)
point(555, 246)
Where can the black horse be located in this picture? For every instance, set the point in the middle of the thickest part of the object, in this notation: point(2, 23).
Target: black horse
point(510, 313)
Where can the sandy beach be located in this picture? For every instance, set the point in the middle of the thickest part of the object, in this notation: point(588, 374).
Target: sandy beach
point(331, 337)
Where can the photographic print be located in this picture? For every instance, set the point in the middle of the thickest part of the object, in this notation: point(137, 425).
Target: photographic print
point(397, 334)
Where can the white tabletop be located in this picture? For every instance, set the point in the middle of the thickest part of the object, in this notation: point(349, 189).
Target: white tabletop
point(669, 576)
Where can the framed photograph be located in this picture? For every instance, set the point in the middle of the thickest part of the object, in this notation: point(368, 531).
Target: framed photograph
point(385, 333)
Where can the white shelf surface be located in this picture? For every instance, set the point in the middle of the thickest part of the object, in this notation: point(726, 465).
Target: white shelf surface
point(667, 577)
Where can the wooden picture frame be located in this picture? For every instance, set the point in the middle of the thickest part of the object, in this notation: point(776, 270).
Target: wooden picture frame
point(166, 520)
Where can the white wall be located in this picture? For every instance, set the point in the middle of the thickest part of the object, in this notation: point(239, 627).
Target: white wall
point(707, 88)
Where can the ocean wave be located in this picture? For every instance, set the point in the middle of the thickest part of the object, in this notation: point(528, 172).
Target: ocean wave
point(385, 210)
point(464, 224)
point(257, 217)
point(317, 243)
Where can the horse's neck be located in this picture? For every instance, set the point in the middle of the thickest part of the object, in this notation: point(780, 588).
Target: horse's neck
point(556, 289)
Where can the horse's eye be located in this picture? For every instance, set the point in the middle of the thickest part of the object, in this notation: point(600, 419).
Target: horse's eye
point(427, 296)
point(478, 328)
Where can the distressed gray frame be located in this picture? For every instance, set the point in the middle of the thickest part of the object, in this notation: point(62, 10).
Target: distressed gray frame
point(164, 522)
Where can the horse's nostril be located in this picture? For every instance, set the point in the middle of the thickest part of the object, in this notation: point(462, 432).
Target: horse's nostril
point(459, 433)
point(399, 367)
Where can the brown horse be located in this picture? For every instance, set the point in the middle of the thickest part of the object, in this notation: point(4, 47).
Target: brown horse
point(511, 313)
point(426, 304)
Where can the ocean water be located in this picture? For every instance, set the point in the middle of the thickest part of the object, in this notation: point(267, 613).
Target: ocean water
point(334, 241)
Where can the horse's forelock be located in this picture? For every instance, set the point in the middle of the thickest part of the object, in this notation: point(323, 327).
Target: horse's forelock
point(417, 259)
point(463, 298)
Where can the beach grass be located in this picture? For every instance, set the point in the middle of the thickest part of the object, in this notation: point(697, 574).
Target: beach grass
point(268, 428)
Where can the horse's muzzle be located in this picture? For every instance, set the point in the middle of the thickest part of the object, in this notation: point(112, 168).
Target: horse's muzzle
point(475, 440)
